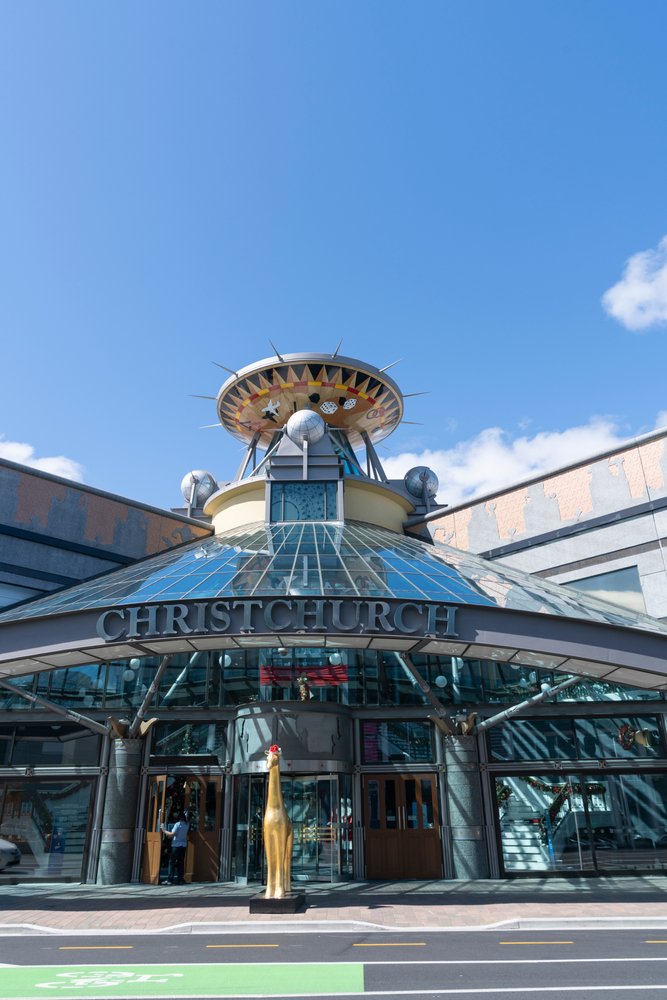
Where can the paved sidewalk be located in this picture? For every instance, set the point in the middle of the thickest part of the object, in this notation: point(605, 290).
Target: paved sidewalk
point(352, 906)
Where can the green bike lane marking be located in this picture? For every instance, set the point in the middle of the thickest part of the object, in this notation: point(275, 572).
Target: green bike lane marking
point(197, 980)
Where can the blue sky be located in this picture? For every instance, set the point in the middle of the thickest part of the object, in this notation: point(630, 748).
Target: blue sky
point(457, 184)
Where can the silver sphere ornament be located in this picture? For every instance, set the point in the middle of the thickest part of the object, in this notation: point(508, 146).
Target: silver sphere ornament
point(421, 481)
point(305, 426)
point(197, 486)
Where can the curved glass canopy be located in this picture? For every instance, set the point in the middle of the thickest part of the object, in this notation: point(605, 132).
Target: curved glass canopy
point(331, 560)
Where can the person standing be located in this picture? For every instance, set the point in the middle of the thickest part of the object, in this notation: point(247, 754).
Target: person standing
point(179, 843)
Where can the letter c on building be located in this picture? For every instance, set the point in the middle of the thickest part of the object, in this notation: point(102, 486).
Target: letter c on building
point(102, 629)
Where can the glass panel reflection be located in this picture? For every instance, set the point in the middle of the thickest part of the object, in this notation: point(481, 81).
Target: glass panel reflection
point(320, 808)
point(46, 821)
point(373, 787)
point(391, 818)
point(427, 804)
point(534, 739)
point(396, 742)
point(622, 737)
point(326, 558)
point(583, 822)
point(542, 822)
point(348, 676)
point(411, 808)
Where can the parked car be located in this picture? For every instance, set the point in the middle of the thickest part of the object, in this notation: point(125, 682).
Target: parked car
point(9, 854)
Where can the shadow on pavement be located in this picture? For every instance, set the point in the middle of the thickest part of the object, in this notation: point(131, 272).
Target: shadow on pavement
point(76, 898)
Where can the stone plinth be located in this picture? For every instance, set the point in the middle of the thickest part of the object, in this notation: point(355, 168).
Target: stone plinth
point(288, 904)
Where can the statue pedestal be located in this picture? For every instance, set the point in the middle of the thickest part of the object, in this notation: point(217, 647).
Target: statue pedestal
point(288, 904)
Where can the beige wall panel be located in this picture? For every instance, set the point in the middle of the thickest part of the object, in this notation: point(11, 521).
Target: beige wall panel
point(238, 505)
point(375, 505)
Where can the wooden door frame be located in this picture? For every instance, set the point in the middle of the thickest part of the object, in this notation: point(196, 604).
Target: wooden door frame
point(155, 813)
point(391, 843)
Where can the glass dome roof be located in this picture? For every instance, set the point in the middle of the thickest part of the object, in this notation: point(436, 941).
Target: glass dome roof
point(331, 560)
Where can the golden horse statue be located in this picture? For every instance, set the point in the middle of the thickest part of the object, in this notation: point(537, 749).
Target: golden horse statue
point(278, 833)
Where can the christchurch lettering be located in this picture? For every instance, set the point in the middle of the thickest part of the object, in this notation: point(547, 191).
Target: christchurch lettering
point(149, 621)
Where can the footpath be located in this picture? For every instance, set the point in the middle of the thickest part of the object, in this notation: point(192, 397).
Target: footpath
point(357, 907)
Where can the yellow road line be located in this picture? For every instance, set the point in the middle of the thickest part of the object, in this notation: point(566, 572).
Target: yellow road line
point(243, 946)
point(655, 942)
point(393, 944)
point(535, 942)
point(94, 947)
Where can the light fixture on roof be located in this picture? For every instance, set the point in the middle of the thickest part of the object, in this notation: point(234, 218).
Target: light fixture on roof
point(197, 486)
point(421, 482)
point(305, 426)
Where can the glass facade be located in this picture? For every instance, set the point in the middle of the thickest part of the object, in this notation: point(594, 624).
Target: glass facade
point(48, 821)
point(579, 821)
point(188, 739)
point(327, 559)
point(384, 742)
point(618, 737)
point(227, 678)
point(57, 744)
point(320, 807)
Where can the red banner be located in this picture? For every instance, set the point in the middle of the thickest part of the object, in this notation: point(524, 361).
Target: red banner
point(327, 675)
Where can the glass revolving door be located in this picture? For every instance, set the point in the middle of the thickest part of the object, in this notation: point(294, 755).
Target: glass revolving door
point(319, 807)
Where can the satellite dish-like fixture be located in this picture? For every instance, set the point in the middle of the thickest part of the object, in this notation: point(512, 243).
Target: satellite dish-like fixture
point(421, 482)
point(197, 486)
point(305, 426)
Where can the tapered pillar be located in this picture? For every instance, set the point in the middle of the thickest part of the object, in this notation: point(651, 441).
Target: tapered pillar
point(119, 818)
point(465, 808)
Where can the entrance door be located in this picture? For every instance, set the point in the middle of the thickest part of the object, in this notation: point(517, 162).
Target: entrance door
point(319, 807)
point(402, 826)
point(200, 798)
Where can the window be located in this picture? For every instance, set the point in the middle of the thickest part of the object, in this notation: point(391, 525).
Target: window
point(622, 586)
point(621, 736)
point(538, 739)
point(52, 744)
point(48, 822)
point(304, 501)
point(396, 742)
point(582, 822)
point(191, 738)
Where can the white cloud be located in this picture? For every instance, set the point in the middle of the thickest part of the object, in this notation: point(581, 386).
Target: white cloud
point(493, 460)
point(57, 465)
point(639, 299)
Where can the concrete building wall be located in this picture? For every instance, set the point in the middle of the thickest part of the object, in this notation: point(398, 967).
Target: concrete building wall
point(594, 517)
point(54, 532)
